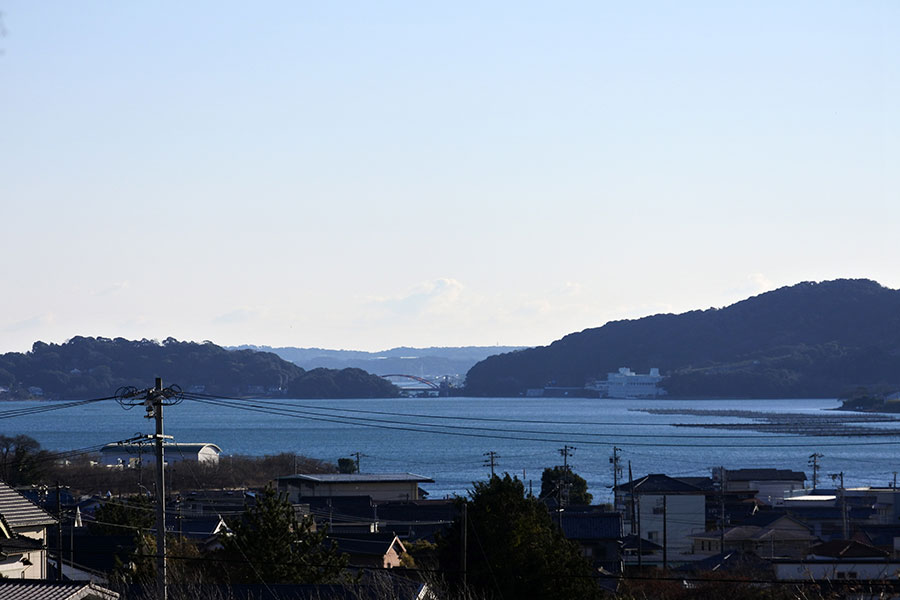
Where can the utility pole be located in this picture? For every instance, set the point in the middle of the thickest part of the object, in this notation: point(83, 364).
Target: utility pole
point(616, 469)
point(357, 455)
point(845, 526)
point(565, 451)
point(722, 508)
point(155, 410)
point(490, 460)
point(631, 495)
point(814, 463)
point(665, 508)
point(465, 540)
point(59, 562)
point(154, 400)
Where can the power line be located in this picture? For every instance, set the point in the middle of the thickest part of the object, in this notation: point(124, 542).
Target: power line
point(281, 410)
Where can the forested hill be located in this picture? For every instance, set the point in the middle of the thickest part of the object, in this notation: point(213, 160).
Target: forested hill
point(86, 367)
point(807, 340)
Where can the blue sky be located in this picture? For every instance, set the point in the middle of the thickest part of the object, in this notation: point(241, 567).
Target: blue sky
point(366, 175)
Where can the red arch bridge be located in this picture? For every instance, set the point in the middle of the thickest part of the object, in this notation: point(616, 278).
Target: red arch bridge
point(410, 385)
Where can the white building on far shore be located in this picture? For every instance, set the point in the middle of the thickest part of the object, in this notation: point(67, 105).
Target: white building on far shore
point(625, 383)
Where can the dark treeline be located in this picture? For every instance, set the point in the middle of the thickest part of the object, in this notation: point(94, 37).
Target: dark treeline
point(86, 367)
point(807, 340)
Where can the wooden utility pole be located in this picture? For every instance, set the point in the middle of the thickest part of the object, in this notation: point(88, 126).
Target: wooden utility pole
point(357, 455)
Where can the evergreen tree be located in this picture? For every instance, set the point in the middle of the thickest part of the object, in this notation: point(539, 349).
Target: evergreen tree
point(553, 478)
point(514, 550)
point(271, 545)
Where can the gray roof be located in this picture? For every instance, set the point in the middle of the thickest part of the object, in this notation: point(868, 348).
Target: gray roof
point(357, 478)
point(148, 448)
point(12, 589)
point(658, 483)
point(19, 511)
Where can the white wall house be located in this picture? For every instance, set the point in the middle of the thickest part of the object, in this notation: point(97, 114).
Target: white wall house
point(23, 536)
point(135, 455)
point(665, 511)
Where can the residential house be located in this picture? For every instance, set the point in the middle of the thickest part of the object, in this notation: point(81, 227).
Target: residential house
point(840, 560)
point(372, 550)
point(599, 534)
point(767, 536)
point(664, 511)
point(381, 487)
point(769, 486)
point(23, 536)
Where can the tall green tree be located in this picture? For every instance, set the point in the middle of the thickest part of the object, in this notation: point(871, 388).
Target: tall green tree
point(554, 480)
point(513, 548)
point(271, 545)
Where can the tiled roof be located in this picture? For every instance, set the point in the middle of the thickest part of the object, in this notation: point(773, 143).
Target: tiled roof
point(52, 590)
point(658, 483)
point(19, 511)
point(375, 544)
point(357, 478)
point(592, 526)
point(847, 549)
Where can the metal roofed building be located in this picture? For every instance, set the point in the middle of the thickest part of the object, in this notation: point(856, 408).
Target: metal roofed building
point(134, 455)
point(380, 486)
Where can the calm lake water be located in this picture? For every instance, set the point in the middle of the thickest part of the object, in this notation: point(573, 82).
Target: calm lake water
point(447, 438)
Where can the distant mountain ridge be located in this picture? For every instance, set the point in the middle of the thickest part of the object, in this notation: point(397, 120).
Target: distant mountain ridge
point(806, 340)
point(423, 362)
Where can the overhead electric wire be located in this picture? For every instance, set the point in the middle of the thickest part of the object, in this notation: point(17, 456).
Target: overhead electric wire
point(291, 404)
point(48, 407)
point(268, 407)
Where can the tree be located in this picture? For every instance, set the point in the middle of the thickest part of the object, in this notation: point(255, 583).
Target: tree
point(346, 466)
point(554, 478)
point(271, 545)
point(123, 516)
point(514, 550)
point(22, 462)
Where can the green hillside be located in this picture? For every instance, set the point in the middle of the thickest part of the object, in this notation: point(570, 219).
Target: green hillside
point(807, 340)
point(86, 367)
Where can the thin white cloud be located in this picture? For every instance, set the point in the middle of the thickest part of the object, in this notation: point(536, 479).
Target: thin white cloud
point(238, 316)
point(29, 324)
point(111, 290)
point(429, 297)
